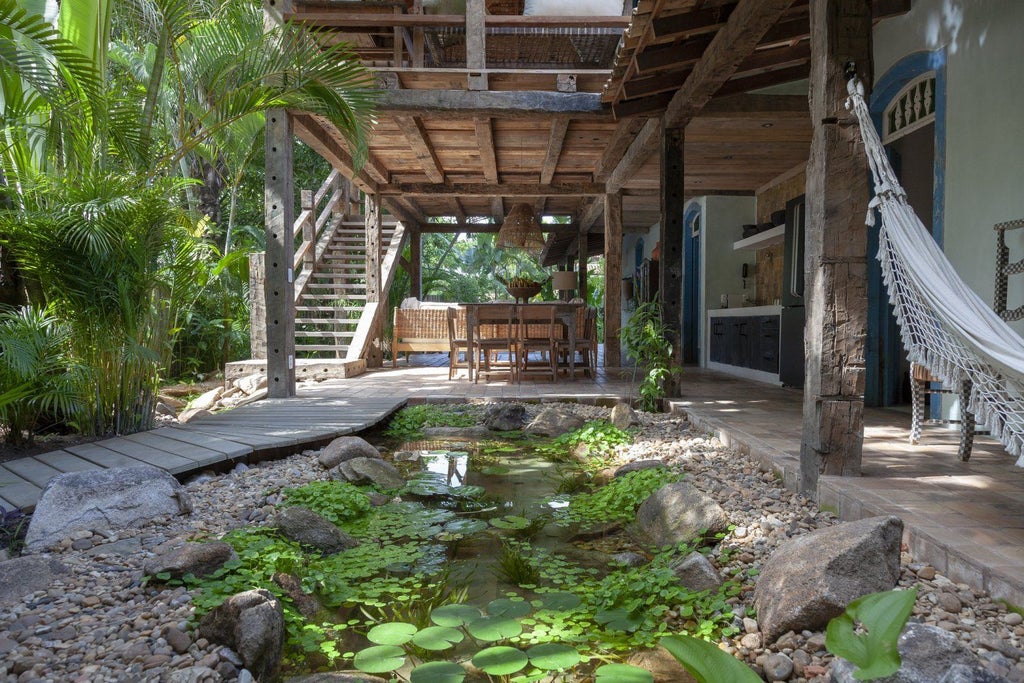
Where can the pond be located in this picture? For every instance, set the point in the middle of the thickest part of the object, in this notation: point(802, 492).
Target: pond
point(498, 561)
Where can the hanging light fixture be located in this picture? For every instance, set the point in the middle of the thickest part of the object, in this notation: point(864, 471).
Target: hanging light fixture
point(521, 230)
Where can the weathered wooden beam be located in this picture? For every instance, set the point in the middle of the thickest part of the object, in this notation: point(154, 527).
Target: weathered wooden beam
point(319, 140)
point(476, 44)
point(656, 58)
point(490, 189)
point(419, 139)
point(646, 86)
point(333, 19)
point(623, 136)
point(415, 264)
point(654, 105)
point(556, 137)
point(836, 242)
point(374, 227)
point(257, 305)
point(612, 279)
point(751, 106)
point(582, 250)
point(736, 40)
point(646, 142)
point(485, 143)
point(458, 210)
point(471, 227)
point(671, 235)
point(279, 292)
point(765, 80)
point(507, 104)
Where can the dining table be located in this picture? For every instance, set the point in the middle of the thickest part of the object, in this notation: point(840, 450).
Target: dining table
point(565, 313)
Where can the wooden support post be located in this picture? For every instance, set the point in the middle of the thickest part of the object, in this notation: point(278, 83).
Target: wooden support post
point(279, 289)
point(582, 248)
point(612, 279)
point(257, 306)
point(476, 45)
point(670, 274)
point(415, 263)
point(836, 249)
point(308, 229)
point(374, 226)
point(418, 38)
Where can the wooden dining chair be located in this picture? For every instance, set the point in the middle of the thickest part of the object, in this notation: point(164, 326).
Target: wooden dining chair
point(585, 342)
point(494, 333)
point(457, 341)
point(538, 333)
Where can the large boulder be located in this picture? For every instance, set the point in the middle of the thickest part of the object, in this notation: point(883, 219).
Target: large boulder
point(104, 499)
point(696, 573)
point(929, 654)
point(306, 527)
point(24, 575)
point(197, 559)
point(346, 448)
point(368, 471)
point(812, 579)
point(679, 513)
point(251, 624)
point(554, 421)
point(623, 416)
point(505, 417)
point(638, 465)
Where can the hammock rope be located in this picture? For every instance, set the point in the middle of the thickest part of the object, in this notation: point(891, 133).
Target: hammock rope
point(944, 324)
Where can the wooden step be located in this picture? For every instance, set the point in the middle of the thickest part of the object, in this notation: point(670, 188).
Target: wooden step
point(323, 334)
point(321, 347)
point(327, 321)
point(332, 285)
point(328, 309)
point(333, 297)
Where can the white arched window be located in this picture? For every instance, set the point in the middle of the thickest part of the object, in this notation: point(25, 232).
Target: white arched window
point(912, 108)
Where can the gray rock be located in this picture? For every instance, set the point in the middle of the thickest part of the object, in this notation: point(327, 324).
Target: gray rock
point(198, 559)
point(103, 499)
point(929, 655)
point(554, 421)
point(194, 674)
point(696, 572)
point(24, 575)
point(165, 409)
point(777, 667)
point(346, 448)
point(812, 579)
point(638, 465)
point(206, 401)
point(191, 415)
point(624, 417)
point(663, 666)
point(306, 527)
point(178, 640)
point(505, 417)
point(679, 513)
point(368, 470)
point(630, 559)
point(250, 384)
point(251, 624)
point(457, 432)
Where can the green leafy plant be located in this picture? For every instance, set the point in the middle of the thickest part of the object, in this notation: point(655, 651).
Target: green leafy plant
point(596, 441)
point(645, 337)
point(514, 565)
point(334, 500)
point(13, 526)
point(618, 500)
point(867, 633)
point(706, 662)
point(408, 423)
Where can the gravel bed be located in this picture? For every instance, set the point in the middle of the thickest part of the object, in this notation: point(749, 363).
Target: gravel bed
point(100, 623)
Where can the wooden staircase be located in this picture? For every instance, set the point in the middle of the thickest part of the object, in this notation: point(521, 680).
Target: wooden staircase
point(333, 298)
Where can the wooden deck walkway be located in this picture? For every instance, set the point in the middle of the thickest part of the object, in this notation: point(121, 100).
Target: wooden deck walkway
point(251, 433)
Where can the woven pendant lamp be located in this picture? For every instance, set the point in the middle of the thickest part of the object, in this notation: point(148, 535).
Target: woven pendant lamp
point(521, 230)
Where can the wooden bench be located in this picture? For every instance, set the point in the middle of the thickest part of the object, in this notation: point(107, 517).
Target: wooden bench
point(419, 330)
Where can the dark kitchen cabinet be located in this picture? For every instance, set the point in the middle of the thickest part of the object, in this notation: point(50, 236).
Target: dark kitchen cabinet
point(746, 341)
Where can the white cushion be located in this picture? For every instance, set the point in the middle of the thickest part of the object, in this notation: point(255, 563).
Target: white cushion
point(573, 8)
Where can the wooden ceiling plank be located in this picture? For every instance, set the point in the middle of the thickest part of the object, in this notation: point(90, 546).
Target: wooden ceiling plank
point(490, 189)
point(659, 83)
point(766, 79)
point(692, 23)
point(556, 138)
point(671, 56)
point(485, 143)
point(419, 139)
point(307, 129)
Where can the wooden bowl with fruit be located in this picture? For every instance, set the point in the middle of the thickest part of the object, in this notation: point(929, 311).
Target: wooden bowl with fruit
point(523, 288)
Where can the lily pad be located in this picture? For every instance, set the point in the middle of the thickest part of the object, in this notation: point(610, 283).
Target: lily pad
point(438, 638)
point(454, 615)
point(500, 660)
point(465, 526)
point(510, 522)
point(504, 607)
point(379, 659)
point(437, 672)
point(393, 633)
point(617, 620)
point(490, 629)
point(560, 601)
point(622, 673)
point(553, 656)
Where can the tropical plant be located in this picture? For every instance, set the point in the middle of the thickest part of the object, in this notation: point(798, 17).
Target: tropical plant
point(706, 662)
point(594, 443)
point(35, 373)
point(646, 339)
point(868, 631)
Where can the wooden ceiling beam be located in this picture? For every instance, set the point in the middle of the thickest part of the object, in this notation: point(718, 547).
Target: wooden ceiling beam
point(747, 106)
point(773, 59)
point(309, 130)
point(650, 106)
point(672, 56)
point(692, 23)
point(556, 138)
point(766, 79)
point(508, 104)
point(485, 143)
point(491, 189)
point(624, 134)
point(381, 21)
point(470, 227)
point(459, 210)
point(652, 85)
point(419, 139)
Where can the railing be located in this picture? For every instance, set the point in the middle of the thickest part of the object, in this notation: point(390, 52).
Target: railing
point(313, 226)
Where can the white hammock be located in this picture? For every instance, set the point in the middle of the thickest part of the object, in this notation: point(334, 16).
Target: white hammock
point(945, 326)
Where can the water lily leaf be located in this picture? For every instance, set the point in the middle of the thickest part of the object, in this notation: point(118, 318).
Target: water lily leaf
point(454, 615)
point(465, 526)
point(379, 659)
point(561, 601)
point(437, 672)
point(617, 620)
point(706, 662)
point(438, 638)
point(503, 607)
point(553, 656)
point(494, 628)
point(500, 660)
point(393, 633)
point(470, 491)
point(510, 522)
point(624, 673)
point(496, 469)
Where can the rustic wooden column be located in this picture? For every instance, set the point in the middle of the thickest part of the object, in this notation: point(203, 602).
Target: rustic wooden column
point(415, 262)
point(476, 45)
point(612, 279)
point(374, 227)
point(670, 273)
point(836, 248)
point(257, 305)
point(279, 289)
point(582, 248)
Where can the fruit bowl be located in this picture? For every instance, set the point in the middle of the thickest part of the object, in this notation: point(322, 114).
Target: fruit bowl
point(524, 292)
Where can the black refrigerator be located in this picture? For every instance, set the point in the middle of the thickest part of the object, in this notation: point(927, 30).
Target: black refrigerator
point(791, 330)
